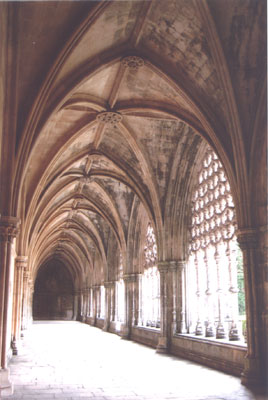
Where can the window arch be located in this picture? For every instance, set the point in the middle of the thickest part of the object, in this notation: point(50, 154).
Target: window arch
point(214, 274)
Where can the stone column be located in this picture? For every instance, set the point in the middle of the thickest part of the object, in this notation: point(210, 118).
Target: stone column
point(129, 280)
point(181, 293)
point(25, 316)
point(30, 300)
point(108, 298)
point(136, 300)
point(140, 316)
point(220, 331)
point(8, 232)
point(20, 266)
point(233, 290)
point(113, 305)
point(199, 324)
point(209, 323)
point(165, 306)
point(255, 362)
point(95, 304)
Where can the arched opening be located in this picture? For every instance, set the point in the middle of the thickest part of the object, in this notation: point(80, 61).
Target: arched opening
point(53, 293)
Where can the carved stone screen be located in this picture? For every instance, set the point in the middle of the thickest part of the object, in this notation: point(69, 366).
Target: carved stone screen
point(215, 294)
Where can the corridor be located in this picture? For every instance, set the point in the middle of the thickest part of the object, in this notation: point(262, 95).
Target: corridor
point(70, 360)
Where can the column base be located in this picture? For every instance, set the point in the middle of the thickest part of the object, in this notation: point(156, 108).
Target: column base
point(220, 332)
point(162, 346)
point(6, 386)
point(198, 329)
point(252, 376)
point(14, 347)
point(234, 334)
point(209, 331)
point(106, 327)
point(125, 332)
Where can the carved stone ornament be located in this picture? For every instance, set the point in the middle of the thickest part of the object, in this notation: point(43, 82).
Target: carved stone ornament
point(133, 62)
point(109, 117)
point(8, 228)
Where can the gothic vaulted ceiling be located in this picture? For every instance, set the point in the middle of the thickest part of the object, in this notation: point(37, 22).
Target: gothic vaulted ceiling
point(114, 102)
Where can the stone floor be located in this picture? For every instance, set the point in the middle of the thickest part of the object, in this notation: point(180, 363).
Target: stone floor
point(70, 360)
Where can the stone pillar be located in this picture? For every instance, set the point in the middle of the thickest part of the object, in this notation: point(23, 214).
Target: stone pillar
point(8, 232)
point(20, 266)
point(220, 331)
point(254, 373)
point(30, 300)
point(136, 300)
point(140, 316)
point(199, 324)
point(86, 303)
point(95, 303)
point(233, 290)
point(129, 280)
point(108, 300)
point(165, 305)
point(25, 296)
point(180, 289)
point(78, 305)
point(113, 302)
point(209, 332)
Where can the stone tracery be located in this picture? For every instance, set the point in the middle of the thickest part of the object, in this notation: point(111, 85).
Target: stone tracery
point(213, 253)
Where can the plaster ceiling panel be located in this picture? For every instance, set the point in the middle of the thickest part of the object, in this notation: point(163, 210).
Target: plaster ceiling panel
point(123, 196)
point(102, 163)
point(75, 148)
point(245, 46)
point(101, 225)
point(175, 32)
point(100, 84)
point(98, 197)
point(114, 143)
point(70, 190)
point(61, 128)
point(160, 138)
point(42, 28)
point(111, 29)
point(144, 84)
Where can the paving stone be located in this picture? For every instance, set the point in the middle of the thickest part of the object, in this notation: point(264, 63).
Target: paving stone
point(74, 361)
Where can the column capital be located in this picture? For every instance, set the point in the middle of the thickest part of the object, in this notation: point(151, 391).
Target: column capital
point(22, 262)
point(9, 228)
point(130, 277)
point(109, 284)
point(171, 265)
point(97, 286)
point(247, 238)
point(163, 266)
point(181, 264)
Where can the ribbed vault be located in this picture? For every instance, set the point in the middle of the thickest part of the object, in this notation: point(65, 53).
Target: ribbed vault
point(116, 121)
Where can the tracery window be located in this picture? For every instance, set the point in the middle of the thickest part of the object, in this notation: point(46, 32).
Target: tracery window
point(150, 284)
point(213, 270)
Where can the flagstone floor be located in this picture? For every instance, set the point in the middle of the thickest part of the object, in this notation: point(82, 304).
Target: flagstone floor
point(71, 361)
